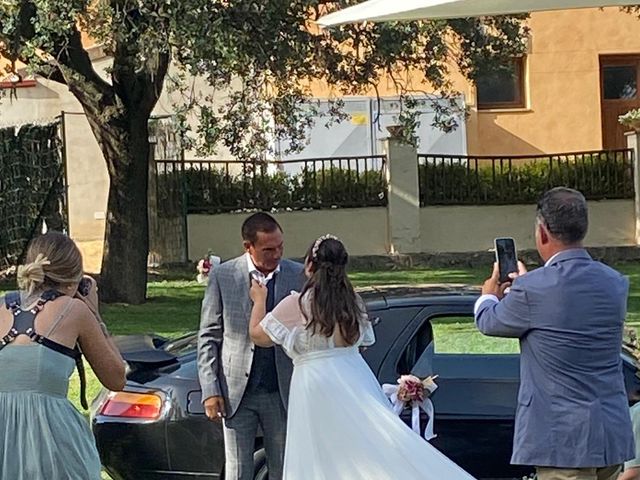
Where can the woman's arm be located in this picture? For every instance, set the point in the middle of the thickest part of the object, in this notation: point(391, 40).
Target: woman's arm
point(92, 302)
point(100, 351)
point(258, 294)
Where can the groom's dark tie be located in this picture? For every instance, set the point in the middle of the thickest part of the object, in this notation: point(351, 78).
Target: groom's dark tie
point(263, 376)
point(271, 295)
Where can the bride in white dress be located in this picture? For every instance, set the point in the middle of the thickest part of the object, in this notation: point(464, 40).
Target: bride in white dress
point(340, 424)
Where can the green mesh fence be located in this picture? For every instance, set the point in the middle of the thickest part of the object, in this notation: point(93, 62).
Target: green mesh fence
point(32, 187)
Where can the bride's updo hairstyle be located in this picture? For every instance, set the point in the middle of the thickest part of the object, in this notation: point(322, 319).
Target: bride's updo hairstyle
point(53, 260)
point(333, 301)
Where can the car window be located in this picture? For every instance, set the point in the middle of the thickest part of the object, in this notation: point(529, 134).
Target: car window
point(459, 335)
point(415, 349)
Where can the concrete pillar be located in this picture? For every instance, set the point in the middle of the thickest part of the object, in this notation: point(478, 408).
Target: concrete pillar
point(403, 210)
point(633, 143)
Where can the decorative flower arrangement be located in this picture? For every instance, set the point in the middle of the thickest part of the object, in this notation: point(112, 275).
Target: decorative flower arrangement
point(204, 267)
point(411, 389)
point(412, 392)
point(631, 119)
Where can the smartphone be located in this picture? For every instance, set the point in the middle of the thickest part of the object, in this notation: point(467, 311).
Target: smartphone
point(84, 287)
point(506, 257)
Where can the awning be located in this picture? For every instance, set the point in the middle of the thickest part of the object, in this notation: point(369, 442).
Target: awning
point(392, 10)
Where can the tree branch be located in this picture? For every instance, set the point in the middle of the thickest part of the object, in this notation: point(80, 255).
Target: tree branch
point(79, 68)
point(70, 63)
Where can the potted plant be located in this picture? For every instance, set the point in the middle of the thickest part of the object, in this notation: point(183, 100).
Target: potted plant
point(631, 119)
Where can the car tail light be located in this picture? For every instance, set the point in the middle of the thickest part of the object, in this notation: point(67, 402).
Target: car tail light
point(143, 406)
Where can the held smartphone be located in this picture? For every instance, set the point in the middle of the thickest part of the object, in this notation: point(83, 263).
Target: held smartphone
point(506, 257)
point(84, 287)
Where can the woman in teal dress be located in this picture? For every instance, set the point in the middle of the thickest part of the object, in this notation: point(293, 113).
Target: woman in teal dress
point(42, 436)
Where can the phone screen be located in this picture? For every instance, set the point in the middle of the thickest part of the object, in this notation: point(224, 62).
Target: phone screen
point(506, 257)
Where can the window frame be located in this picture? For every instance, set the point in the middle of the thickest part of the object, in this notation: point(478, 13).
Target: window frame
point(619, 61)
point(520, 89)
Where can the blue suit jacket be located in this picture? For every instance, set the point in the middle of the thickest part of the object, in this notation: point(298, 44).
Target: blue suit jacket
point(572, 406)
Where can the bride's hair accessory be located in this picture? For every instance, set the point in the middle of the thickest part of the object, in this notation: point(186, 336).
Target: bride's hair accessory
point(318, 242)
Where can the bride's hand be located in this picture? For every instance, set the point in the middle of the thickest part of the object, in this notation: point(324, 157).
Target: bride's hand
point(258, 292)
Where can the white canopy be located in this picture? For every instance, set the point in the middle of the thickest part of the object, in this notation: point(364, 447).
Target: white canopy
point(390, 10)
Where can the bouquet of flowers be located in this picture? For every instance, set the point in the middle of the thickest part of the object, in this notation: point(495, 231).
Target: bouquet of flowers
point(412, 392)
point(204, 267)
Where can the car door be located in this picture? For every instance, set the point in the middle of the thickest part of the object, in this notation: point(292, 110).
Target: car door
point(389, 322)
point(476, 396)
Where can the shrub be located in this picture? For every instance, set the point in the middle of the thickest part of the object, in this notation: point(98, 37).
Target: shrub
point(598, 177)
point(215, 190)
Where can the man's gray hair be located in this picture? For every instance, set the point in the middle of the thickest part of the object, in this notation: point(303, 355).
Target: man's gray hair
point(563, 211)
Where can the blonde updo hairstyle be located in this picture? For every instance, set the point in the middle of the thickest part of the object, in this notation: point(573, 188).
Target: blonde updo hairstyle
point(53, 260)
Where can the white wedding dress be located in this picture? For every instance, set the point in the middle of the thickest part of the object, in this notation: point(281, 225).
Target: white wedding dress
point(340, 425)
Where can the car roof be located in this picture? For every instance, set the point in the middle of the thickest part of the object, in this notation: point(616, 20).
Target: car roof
point(388, 296)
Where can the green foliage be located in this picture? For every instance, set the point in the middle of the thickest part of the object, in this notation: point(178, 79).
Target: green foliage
point(214, 190)
point(253, 63)
point(598, 177)
point(631, 118)
point(267, 52)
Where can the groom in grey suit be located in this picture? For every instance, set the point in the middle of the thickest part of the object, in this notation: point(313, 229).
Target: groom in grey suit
point(245, 385)
point(572, 418)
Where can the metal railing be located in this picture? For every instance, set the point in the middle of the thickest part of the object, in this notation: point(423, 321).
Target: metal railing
point(481, 180)
point(210, 186)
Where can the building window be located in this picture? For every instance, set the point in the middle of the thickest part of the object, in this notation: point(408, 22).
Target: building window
point(502, 89)
point(620, 82)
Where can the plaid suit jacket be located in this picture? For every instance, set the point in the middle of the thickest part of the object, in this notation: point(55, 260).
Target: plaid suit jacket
point(225, 351)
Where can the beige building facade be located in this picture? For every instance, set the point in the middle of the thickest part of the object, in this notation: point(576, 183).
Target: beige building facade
point(582, 70)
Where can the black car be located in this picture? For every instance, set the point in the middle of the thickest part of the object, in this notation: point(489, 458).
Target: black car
point(157, 429)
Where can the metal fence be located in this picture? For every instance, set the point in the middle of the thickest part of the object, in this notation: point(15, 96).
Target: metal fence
point(209, 186)
point(482, 180)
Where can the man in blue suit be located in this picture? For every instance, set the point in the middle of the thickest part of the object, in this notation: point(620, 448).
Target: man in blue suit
point(572, 419)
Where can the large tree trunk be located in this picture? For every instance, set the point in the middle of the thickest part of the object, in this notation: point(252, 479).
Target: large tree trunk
point(125, 145)
point(119, 117)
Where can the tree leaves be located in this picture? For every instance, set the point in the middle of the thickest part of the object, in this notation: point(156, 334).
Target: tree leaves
point(270, 49)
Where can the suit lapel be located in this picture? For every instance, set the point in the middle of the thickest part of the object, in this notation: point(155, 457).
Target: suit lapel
point(285, 282)
point(280, 289)
point(242, 279)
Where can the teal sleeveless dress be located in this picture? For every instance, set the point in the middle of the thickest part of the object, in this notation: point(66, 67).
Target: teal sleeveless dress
point(42, 435)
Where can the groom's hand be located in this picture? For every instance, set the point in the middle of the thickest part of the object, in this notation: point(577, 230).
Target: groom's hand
point(214, 408)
